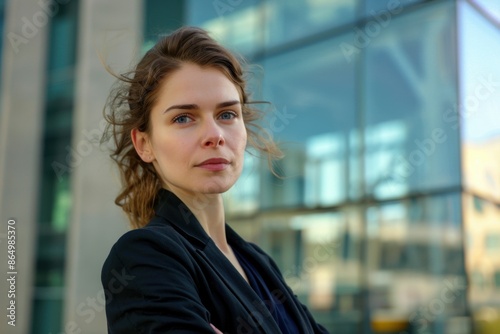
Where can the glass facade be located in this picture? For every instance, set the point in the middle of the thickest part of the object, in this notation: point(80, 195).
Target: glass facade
point(476, 114)
point(161, 20)
point(409, 78)
point(288, 21)
point(235, 23)
point(317, 140)
point(414, 256)
point(57, 159)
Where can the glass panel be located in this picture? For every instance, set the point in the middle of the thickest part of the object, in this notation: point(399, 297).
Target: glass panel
point(319, 255)
point(237, 24)
point(49, 315)
point(60, 69)
point(488, 7)
point(57, 162)
point(410, 83)
point(483, 263)
point(383, 11)
point(415, 263)
point(478, 111)
point(161, 17)
point(314, 120)
point(290, 20)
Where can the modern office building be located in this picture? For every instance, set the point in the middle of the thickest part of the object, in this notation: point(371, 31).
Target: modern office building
point(387, 219)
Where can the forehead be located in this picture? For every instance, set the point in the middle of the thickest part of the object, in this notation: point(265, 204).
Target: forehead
point(196, 83)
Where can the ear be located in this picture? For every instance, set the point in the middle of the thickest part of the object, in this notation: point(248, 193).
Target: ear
point(142, 145)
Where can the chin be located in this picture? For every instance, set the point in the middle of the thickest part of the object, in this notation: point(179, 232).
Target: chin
point(214, 187)
point(215, 190)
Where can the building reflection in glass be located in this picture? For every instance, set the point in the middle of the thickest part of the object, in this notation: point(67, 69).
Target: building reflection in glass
point(415, 262)
point(478, 115)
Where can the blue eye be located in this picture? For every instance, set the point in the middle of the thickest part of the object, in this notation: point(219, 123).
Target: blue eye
point(227, 115)
point(182, 119)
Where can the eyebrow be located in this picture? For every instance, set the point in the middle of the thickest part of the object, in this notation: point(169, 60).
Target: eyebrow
point(195, 106)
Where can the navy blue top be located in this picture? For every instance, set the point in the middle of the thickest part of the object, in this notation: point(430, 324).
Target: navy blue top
point(275, 307)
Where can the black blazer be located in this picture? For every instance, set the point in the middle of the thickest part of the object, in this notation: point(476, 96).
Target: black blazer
point(170, 277)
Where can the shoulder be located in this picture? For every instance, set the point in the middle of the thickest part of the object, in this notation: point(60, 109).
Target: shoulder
point(149, 277)
point(149, 235)
point(148, 244)
point(155, 232)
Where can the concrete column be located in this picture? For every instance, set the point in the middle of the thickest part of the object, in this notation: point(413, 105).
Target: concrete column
point(111, 29)
point(21, 126)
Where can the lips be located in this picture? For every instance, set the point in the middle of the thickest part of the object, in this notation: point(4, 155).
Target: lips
point(214, 164)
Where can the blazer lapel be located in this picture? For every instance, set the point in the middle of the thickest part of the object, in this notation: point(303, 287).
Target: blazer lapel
point(274, 279)
point(241, 290)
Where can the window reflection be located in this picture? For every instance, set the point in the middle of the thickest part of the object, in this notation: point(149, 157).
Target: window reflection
point(373, 9)
point(409, 84)
point(287, 191)
point(492, 8)
point(414, 254)
point(483, 262)
point(235, 23)
point(161, 18)
point(384, 152)
point(477, 113)
point(315, 121)
point(325, 165)
point(479, 103)
point(289, 20)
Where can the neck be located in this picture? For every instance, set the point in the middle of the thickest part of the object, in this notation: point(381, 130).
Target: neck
point(209, 211)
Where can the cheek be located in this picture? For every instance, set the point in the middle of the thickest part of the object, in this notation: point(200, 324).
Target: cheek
point(244, 136)
point(167, 149)
point(241, 142)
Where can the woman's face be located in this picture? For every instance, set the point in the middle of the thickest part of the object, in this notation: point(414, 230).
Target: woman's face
point(198, 137)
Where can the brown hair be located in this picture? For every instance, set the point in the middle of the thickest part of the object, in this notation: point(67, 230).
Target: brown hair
point(130, 102)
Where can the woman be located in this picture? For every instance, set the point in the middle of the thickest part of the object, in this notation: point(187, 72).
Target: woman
point(180, 123)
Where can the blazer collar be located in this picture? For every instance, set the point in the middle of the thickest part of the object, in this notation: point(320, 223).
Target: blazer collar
point(170, 207)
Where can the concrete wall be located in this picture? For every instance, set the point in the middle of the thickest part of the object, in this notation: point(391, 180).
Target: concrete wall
point(112, 30)
point(21, 126)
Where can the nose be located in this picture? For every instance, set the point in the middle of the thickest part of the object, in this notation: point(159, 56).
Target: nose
point(212, 135)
